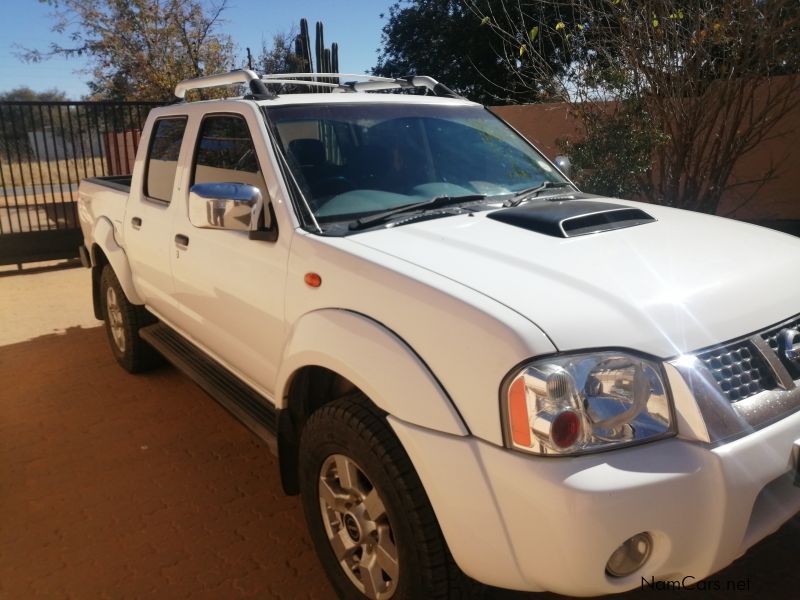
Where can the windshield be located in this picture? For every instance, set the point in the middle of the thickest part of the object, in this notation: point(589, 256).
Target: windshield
point(352, 160)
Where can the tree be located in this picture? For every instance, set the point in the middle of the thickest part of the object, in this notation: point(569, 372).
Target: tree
point(140, 49)
point(280, 57)
point(18, 121)
point(672, 94)
point(444, 39)
point(26, 94)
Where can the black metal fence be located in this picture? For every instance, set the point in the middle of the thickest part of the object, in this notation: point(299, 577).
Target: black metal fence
point(46, 148)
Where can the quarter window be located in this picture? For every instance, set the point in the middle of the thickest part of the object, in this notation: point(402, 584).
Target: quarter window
point(162, 159)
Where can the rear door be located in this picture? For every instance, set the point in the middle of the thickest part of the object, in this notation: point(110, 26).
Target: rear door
point(149, 215)
point(229, 288)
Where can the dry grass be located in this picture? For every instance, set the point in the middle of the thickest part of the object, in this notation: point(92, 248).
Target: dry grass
point(65, 171)
point(9, 201)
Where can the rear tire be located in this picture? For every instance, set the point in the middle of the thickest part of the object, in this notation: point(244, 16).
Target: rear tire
point(122, 322)
point(369, 517)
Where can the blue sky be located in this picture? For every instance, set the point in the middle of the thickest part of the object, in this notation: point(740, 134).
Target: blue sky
point(354, 24)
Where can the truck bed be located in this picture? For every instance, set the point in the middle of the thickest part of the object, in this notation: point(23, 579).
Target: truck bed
point(121, 183)
point(102, 197)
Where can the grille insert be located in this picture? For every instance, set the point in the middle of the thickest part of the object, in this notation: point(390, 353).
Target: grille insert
point(771, 337)
point(739, 370)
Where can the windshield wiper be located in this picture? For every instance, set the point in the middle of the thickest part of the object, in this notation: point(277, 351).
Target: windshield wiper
point(437, 202)
point(523, 195)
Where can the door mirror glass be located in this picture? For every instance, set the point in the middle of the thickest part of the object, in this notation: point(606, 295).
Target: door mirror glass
point(224, 205)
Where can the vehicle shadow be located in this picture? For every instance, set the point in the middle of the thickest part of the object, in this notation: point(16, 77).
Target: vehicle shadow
point(43, 267)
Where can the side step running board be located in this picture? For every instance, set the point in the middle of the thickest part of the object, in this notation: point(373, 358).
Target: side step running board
point(242, 401)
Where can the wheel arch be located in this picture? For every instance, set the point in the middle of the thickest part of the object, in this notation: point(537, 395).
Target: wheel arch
point(332, 353)
point(106, 251)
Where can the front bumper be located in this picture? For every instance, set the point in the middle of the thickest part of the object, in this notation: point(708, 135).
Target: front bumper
point(530, 523)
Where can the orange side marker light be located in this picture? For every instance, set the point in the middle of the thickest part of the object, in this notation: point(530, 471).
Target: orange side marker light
point(313, 280)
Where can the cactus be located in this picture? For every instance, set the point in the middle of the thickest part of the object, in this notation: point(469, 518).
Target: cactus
point(326, 59)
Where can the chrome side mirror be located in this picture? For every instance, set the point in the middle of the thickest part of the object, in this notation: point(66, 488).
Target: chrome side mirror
point(224, 205)
point(564, 164)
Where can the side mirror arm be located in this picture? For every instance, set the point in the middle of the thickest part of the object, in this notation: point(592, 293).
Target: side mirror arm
point(262, 232)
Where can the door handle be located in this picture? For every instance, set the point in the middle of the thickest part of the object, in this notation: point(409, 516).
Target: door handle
point(182, 241)
point(136, 223)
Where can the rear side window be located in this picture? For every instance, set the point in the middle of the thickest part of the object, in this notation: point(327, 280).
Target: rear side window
point(225, 153)
point(162, 159)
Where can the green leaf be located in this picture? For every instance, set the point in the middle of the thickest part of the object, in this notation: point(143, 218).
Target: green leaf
point(560, 25)
point(655, 23)
point(534, 33)
point(485, 21)
point(522, 50)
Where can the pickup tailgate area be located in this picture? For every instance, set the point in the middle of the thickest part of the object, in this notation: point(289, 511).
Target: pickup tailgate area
point(102, 197)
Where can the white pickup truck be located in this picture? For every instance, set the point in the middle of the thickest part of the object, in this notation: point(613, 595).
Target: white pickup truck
point(471, 371)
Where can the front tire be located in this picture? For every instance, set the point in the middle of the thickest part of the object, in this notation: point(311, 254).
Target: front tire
point(122, 322)
point(371, 522)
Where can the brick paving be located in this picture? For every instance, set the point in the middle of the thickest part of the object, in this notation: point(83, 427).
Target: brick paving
point(120, 486)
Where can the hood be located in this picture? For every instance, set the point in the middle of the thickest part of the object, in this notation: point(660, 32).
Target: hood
point(674, 284)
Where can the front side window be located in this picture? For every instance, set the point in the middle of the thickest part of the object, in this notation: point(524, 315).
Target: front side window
point(162, 158)
point(352, 160)
point(226, 154)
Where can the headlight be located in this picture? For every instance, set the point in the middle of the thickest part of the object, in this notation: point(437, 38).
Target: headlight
point(580, 403)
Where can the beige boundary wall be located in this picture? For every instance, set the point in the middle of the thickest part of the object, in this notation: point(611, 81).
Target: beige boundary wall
point(545, 124)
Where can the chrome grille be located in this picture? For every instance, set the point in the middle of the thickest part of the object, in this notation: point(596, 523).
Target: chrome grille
point(739, 370)
point(743, 384)
point(771, 337)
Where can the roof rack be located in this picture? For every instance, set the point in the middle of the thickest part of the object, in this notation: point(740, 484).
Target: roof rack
point(362, 76)
point(218, 80)
point(365, 83)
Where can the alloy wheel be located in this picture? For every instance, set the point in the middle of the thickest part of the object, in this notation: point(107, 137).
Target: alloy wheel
point(358, 527)
point(115, 323)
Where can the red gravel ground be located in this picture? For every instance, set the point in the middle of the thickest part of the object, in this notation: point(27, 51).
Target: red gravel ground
point(116, 486)
point(120, 486)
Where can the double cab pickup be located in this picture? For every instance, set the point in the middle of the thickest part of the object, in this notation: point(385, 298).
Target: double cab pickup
point(472, 372)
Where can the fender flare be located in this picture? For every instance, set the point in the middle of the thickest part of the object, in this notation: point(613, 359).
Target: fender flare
point(104, 239)
point(375, 360)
